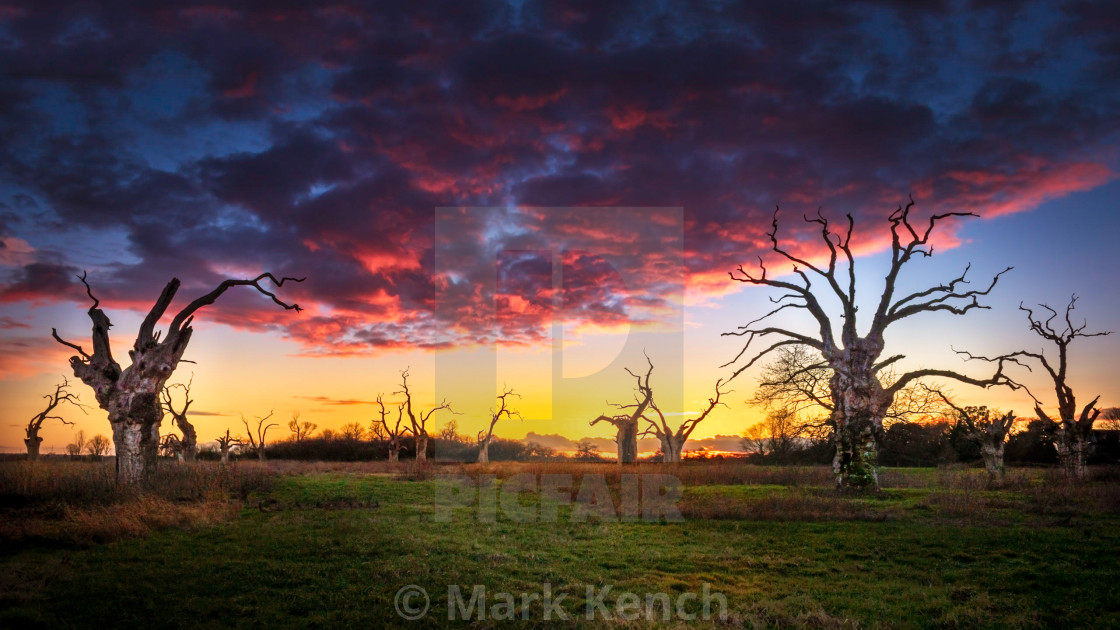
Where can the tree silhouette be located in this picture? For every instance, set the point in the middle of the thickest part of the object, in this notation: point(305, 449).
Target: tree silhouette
point(484, 437)
point(257, 442)
point(860, 401)
point(394, 435)
point(185, 448)
point(626, 424)
point(1071, 430)
point(225, 442)
point(987, 427)
point(132, 395)
point(418, 422)
point(672, 441)
point(301, 430)
point(61, 395)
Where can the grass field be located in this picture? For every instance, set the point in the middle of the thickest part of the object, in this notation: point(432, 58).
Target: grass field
point(331, 545)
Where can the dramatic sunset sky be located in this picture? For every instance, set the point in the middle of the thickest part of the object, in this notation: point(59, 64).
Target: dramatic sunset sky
point(463, 184)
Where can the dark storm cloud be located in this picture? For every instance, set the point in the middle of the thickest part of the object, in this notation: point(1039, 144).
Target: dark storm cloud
point(205, 140)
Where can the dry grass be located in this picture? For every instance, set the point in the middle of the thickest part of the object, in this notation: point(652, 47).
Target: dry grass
point(61, 502)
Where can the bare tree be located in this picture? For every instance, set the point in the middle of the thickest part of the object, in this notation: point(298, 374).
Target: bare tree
point(484, 437)
point(186, 448)
point(352, 431)
point(393, 434)
point(794, 389)
point(75, 448)
point(1110, 418)
point(672, 441)
point(756, 439)
point(61, 395)
point(171, 446)
point(586, 449)
point(97, 446)
point(987, 427)
point(450, 431)
point(257, 442)
point(626, 424)
point(859, 399)
point(131, 395)
point(1072, 430)
point(419, 421)
point(301, 430)
point(225, 442)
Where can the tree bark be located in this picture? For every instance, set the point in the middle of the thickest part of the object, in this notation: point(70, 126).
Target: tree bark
point(860, 404)
point(671, 448)
point(225, 454)
point(189, 441)
point(992, 452)
point(484, 452)
point(394, 454)
point(421, 448)
point(1073, 451)
point(33, 443)
point(627, 440)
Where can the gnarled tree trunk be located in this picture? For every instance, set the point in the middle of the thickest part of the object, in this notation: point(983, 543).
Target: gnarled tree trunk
point(860, 404)
point(992, 452)
point(1072, 445)
point(860, 401)
point(33, 445)
point(484, 452)
point(132, 396)
point(671, 448)
point(422, 447)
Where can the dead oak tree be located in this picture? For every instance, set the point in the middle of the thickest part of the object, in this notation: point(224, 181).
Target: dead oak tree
point(859, 398)
point(626, 424)
point(186, 447)
point(672, 441)
point(257, 442)
point(394, 435)
point(62, 394)
point(484, 437)
point(988, 428)
point(131, 395)
point(1072, 429)
point(225, 442)
point(418, 422)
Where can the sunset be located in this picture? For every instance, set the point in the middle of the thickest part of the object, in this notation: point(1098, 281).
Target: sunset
point(337, 248)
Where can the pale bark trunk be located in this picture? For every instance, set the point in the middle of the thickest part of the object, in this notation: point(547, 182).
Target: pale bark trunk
point(189, 444)
point(33, 443)
point(421, 448)
point(627, 442)
point(860, 404)
point(993, 458)
point(127, 438)
point(1073, 451)
point(856, 461)
point(225, 454)
point(394, 455)
point(484, 452)
point(671, 449)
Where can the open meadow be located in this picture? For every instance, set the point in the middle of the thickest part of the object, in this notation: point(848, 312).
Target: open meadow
point(283, 544)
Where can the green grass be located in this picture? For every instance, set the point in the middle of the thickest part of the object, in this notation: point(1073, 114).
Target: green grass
point(332, 549)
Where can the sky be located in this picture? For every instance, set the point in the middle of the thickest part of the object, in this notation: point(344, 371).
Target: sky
point(532, 194)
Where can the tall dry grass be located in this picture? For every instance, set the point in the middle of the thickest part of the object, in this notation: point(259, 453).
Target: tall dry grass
point(63, 502)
